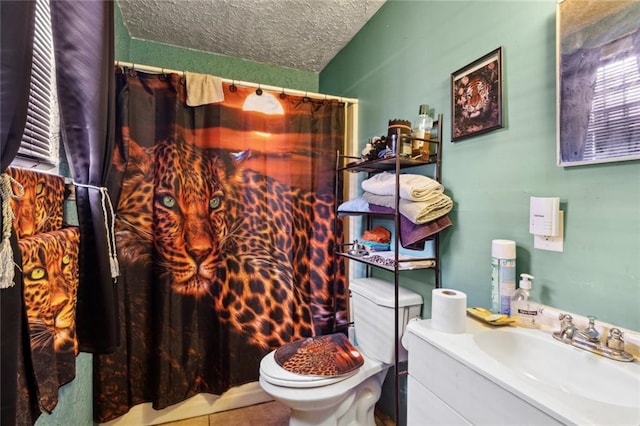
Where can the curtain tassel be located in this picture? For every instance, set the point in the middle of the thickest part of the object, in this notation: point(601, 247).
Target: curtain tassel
point(109, 225)
point(115, 266)
point(7, 270)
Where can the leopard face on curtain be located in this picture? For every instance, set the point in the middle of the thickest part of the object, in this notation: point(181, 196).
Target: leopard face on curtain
point(225, 237)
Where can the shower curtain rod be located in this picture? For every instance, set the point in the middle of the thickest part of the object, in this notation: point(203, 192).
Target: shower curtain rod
point(157, 70)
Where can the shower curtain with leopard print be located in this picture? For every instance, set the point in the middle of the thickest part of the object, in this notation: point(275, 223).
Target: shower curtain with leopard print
point(225, 237)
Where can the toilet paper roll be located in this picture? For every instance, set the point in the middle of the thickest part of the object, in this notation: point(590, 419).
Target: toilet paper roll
point(448, 310)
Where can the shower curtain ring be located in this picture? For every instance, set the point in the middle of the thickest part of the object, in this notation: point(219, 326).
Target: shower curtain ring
point(233, 87)
point(259, 91)
point(283, 95)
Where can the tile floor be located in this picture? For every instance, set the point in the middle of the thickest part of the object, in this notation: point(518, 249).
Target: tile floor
point(267, 414)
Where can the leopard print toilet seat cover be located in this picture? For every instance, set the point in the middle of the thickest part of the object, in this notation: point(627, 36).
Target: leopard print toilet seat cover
point(330, 355)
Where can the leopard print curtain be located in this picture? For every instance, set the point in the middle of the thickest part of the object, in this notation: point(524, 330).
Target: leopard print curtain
point(225, 237)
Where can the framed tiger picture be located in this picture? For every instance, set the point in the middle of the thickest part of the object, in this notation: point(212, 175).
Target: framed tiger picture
point(476, 97)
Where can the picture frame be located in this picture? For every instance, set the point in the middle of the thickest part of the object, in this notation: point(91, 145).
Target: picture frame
point(476, 97)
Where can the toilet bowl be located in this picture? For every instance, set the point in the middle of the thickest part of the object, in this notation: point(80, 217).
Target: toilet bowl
point(348, 399)
point(325, 401)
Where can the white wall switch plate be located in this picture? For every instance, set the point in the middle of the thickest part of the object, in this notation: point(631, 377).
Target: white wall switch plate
point(555, 243)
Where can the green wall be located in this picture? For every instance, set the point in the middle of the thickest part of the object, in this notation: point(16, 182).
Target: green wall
point(122, 41)
point(177, 58)
point(404, 56)
point(164, 55)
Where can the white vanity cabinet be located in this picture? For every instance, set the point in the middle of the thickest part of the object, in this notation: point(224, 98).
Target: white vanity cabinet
point(425, 408)
point(444, 391)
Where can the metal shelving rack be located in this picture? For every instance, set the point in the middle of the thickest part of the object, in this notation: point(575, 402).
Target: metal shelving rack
point(397, 164)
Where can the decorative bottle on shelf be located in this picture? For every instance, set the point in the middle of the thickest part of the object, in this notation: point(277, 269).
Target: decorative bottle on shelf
point(422, 129)
point(367, 149)
point(398, 140)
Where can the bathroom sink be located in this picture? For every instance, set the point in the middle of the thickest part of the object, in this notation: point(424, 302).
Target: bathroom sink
point(559, 367)
point(569, 384)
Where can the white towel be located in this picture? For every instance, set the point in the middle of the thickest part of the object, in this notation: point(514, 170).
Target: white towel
point(418, 212)
point(203, 89)
point(354, 205)
point(380, 200)
point(412, 187)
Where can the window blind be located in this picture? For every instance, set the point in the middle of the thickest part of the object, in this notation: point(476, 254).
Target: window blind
point(40, 138)
point(614, 123)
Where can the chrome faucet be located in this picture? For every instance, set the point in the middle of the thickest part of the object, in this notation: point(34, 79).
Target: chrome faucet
point(589, 339)
point(590, 333)
point(615, 340)
point(567, 329)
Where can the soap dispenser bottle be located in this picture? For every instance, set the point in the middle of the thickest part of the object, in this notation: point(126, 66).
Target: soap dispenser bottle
point(523, 309)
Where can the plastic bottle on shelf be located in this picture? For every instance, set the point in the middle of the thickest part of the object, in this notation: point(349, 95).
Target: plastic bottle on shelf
point(422, 129)
point(523, 309)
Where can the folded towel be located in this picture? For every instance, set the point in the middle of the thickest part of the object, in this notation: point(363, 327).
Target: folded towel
point(203, 89)
point(386, 259)
point(379, 234)
point(412, 187)
point(423, 212)
point(418, 212)
point(413, 236)
point(380, 200)
point(354, 205)
point(375, 246)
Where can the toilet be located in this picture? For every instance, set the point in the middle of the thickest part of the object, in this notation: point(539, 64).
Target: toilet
point(348, 399)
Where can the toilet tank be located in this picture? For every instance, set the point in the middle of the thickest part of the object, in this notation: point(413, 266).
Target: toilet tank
point(372, 304)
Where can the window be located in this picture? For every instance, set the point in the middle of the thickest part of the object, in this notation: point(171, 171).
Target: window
point(41, 138)
point(614, 122)
point(598, 60)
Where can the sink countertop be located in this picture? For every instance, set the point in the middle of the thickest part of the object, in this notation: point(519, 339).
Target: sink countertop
point(564, 404)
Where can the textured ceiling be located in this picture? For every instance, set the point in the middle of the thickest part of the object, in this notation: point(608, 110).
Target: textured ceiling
point(299, 34)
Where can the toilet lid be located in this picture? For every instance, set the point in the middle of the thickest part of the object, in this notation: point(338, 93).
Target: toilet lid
point(276, 375)
point(328, 355)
